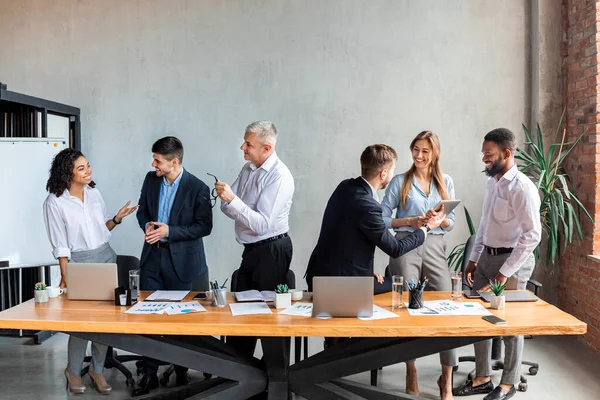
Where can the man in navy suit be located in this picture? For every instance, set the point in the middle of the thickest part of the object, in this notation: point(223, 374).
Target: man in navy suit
point(175, 214)
point(353, 224)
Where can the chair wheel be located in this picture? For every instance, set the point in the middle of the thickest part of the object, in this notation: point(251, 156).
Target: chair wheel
point(130, 382)
point(471, 376)
point(164, 381)
point(139, 364)
point(533, 371)
point(455, 368)
point(139, 371)
point(207, 376)
point(522, 387)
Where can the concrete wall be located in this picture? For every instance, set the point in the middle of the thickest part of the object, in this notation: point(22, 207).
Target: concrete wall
point(334, 76)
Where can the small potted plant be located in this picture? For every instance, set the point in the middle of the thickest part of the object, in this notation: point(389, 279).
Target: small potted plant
point(283, 298)
point(41, 293)
point(497, 300)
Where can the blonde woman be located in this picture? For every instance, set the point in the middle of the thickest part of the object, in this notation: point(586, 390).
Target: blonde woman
point(414, 195)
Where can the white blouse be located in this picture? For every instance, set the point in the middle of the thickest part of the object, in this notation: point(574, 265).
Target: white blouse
point(75, 226)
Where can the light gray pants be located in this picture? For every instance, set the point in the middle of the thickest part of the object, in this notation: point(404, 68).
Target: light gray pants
point(487, 269)
point(428, 260)
point(77, 347)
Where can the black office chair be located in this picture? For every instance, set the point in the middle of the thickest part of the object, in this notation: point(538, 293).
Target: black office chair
point(114, 360)
point(497, 363)
point(290, 280)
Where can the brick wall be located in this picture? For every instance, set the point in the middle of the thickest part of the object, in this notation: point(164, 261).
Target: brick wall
point(579, 284)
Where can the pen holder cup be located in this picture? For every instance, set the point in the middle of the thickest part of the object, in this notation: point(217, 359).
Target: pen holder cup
point(415, 299)
point(218, 297)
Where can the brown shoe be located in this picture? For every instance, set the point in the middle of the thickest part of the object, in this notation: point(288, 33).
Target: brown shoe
point(74, 383)
point(99, 383)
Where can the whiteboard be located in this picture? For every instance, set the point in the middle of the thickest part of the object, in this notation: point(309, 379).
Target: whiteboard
point(24, 173)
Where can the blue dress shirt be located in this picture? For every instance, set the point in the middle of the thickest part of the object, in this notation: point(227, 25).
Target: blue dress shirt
point(166, 199)
point(417, 203)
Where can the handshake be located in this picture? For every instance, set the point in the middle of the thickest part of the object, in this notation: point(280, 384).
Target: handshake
point(433, 219)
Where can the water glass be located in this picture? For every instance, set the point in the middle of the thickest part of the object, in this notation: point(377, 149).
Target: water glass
point(134, 284)
point(397, 291)
point(457, 285)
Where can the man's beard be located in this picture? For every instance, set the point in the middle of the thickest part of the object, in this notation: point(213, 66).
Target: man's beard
point(497, 167)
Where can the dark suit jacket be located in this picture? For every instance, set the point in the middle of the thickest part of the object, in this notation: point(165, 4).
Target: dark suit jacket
point(189, 222)
point(352, 227)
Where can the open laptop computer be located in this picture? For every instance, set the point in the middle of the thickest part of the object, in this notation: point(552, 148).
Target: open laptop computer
point(510, 295)
point(342, 296)
point(91, 281)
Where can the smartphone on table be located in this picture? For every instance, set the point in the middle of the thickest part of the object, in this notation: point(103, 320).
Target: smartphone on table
point(492, 319)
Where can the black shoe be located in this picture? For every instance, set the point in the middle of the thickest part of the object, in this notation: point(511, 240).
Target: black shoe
point(467, 389)
point(499, 394)
point(182, 379)
point(145, 385)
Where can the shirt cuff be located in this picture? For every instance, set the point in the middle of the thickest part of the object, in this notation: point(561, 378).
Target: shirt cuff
point(61, 252)
point(424, 231)
point(237, 204)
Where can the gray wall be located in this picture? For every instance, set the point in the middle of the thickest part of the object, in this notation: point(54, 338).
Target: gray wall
point(334, 76)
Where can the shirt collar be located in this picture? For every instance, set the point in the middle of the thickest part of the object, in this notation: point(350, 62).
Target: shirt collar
point(175, 182)
point(510, 174)
point(268, 164)
point(374, 192)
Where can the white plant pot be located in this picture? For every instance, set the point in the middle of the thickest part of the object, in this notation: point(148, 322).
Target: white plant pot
point(497, 302)
point(283, 300)
point(41, 296)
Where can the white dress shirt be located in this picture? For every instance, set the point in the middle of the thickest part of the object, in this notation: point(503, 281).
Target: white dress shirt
point(73, 225)
point(263, 200)
point(510, 218)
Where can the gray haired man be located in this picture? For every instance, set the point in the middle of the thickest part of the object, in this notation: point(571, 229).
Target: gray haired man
point(259, 202)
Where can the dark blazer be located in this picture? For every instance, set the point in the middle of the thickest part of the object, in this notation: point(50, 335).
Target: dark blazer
point(352, 227)
point(189, 222)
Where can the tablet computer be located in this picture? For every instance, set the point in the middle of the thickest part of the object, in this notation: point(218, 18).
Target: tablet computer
point(449, 205)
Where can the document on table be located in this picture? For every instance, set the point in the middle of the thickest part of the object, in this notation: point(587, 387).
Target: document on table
point(167, 295)
point(185, 308)
point(299, 309)
point(420, 311)
point(249, 308)
point(255, 295)
point(448, 307)
point(379, 313)
point(144, 307)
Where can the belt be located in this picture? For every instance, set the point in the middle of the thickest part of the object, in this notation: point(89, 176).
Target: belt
point(271, 239)
point(162, 245)
point(494, 251)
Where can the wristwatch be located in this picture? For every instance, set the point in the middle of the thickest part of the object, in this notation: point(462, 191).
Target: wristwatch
point(426, 227)
point(115, 221)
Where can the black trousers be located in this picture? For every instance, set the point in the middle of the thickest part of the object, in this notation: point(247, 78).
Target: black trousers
point(158, 273)
point(263, 268)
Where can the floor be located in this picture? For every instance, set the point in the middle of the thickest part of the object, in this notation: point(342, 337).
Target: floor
point(568, 370)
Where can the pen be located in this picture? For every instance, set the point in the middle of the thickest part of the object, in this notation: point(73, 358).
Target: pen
point(224, 283)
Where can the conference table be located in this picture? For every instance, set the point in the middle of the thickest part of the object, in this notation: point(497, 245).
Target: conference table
point(192, 340)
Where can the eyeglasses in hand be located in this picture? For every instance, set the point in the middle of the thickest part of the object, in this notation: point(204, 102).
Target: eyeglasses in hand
point(214, 197)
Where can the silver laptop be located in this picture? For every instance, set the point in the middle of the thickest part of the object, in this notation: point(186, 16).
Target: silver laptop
point(342, 296)
point(517, 295)
point(93, 281)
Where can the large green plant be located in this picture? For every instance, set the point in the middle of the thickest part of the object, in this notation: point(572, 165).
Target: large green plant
point(455, 258)
point(559, 203)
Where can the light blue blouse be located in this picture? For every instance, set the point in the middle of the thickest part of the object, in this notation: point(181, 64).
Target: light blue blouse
point(417, 203)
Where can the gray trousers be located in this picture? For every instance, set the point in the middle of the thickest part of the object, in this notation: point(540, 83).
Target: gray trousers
point(487, 269)
point(77, 347)
point(428, 260)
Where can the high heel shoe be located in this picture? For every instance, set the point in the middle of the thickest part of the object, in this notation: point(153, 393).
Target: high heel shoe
point(74, 383)
point(99, 383)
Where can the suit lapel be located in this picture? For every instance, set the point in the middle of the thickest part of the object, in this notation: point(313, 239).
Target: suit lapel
point(180, 197)
point(155, 197)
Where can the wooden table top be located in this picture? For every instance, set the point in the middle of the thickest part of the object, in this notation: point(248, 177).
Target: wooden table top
point(60, 314)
